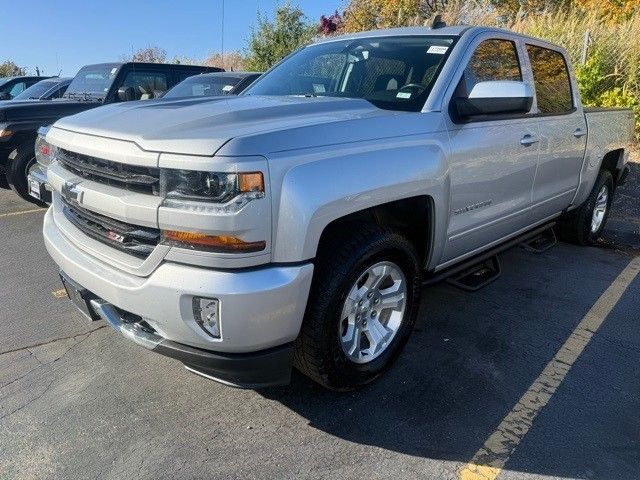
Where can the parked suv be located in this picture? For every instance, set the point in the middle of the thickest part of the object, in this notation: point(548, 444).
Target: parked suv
point(93, 86)
point(12, 86)
point(296, 223)
point(48, 89)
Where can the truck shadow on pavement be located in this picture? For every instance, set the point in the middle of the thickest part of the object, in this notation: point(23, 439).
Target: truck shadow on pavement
point(472, 357)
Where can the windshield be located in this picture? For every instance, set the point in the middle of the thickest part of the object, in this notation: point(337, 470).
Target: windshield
point(36, 90)
point(395, 73)
point(4, 80)
point(203, 86)
point(92, 82)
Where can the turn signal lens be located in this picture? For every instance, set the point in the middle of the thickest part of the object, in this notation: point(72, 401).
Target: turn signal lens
point(251, 182)
point(214, 243)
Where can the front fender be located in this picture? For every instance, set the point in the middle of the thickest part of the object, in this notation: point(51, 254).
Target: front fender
point(329, 183)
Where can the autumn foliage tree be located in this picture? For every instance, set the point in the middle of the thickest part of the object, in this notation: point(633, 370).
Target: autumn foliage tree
point(149, 55)
point(9, 69)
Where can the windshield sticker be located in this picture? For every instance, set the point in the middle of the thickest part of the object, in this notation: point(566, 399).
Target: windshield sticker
point(227, 88)
point(403, 95)
point(437, 49)
point(318, 88)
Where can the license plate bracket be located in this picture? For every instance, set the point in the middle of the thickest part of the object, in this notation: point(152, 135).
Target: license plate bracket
point(80, 297)
point(37, 189)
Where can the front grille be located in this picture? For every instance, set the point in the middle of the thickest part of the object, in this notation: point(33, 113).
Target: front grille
point(128, 177)
point(133, 239)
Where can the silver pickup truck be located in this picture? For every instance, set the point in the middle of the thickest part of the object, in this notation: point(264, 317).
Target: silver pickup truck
point(295, 225)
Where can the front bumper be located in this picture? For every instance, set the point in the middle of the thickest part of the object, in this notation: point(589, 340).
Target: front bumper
point(247, 370)
point(261, 309)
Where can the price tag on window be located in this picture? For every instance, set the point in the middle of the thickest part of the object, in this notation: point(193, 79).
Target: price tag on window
point(437, 49)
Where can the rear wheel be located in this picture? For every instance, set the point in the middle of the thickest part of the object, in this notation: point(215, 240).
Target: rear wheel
point(361, 310)
point(21, 160)
point(585, 224)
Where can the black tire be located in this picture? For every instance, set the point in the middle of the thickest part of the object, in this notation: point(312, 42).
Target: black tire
point(340, 263)
point(575, 226)
point(3, 181)
point(20, 161)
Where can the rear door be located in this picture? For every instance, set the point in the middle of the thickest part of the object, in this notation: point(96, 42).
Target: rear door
point(563, 131)
point(493, 159)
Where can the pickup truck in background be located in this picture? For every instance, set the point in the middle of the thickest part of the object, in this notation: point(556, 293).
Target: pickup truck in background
point(296, 224)
point(93, 86)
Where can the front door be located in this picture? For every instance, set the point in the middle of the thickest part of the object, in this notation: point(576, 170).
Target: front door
point(493, 160)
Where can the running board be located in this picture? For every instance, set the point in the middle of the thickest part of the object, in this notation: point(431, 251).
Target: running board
point(432, 278)
point(477, 276)
point(541, 243)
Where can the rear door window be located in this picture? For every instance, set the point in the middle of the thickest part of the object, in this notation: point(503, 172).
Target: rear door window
point(551, 78)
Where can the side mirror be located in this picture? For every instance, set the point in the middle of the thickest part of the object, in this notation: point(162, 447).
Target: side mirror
point(494, 98)
point(126, 94)
point(5, 96)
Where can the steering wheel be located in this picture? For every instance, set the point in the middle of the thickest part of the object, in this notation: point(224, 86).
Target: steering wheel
point(417, 87)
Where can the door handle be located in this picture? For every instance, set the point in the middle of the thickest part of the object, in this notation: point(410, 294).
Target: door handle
point(579, 133)
point(528, 140)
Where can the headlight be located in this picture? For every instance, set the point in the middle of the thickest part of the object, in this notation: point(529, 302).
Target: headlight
point(4, 131)
point(44, 150)
point(210, 187)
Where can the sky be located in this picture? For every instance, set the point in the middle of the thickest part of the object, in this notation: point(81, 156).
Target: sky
point(63, 35)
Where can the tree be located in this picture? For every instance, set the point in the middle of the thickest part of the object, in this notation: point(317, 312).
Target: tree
point(331, 24)
point(9, 69)
point(272, 41)
point(231, 61)
point(149, 54)
point(372, 14)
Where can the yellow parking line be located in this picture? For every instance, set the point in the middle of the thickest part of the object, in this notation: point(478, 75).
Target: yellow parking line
point(12, 214)
point(62, 293)
point(489, 461)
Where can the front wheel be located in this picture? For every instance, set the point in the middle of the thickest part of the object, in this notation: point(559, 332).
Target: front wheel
point(585, 224)
point(362, 308)
point(21, 160)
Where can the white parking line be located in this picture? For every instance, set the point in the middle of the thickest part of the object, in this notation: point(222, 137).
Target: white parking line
point(489, 461)
point(13, 214)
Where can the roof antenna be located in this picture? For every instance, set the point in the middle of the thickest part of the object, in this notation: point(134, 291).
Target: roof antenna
point(437, 22)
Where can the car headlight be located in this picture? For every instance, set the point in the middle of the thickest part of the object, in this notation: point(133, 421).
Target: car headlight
point(210, 187)
point(215, 193)
point(5, 133)
point(45, 152)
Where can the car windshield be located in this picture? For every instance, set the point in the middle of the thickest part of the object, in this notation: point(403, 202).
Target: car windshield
point(395, 73)
point(36, 90)
point(203, 86)
point(92, 82)
point(4, 80)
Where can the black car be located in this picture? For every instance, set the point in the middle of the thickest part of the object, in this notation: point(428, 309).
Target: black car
point(12, 86)
point(48, 89)
point(212, 84)
point(94, 85)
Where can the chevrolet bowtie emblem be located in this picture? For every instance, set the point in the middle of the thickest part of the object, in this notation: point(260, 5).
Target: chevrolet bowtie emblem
point(71, 193)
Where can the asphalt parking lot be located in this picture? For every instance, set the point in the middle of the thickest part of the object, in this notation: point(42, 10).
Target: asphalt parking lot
point(79, 401)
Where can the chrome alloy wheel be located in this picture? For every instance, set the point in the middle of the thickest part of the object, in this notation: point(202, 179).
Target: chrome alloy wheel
point(600, 209)
point(373, 312)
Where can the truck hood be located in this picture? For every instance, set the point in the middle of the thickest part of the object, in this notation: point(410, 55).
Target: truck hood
point(243, 125)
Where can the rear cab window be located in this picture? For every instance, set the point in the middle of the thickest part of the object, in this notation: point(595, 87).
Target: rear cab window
point(551, 80)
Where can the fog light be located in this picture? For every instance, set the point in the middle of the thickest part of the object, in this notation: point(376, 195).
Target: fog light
point(207, 314)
